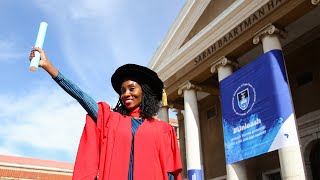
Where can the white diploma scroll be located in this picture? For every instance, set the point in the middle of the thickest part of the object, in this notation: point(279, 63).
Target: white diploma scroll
point(34, 64)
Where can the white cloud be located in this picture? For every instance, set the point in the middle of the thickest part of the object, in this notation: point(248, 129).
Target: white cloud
point(44, 119)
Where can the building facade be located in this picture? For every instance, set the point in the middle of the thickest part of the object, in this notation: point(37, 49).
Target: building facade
point(212, 39)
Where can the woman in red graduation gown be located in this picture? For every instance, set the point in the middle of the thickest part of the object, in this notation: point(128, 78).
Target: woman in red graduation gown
point(126, 143)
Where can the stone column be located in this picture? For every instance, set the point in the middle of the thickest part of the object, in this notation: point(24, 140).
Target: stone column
point(291, 162)
point(269, 37)
point(192, 131)
point(182, 142)
point(164, 110)
point(224, 67)
point(164, 114)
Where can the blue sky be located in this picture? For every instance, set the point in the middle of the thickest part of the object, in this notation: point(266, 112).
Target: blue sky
point(86, 40)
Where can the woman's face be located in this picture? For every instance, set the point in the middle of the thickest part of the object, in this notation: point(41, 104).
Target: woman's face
point(131, 94)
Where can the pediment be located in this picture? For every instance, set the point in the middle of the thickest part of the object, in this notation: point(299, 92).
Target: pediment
point(194, 17)
point(179, 31)
point(212, 11)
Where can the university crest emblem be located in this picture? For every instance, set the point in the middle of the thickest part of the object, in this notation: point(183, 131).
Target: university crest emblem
point(243, 99)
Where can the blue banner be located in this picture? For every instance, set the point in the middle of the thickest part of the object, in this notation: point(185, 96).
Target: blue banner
point(257, 109)
point(194, 174)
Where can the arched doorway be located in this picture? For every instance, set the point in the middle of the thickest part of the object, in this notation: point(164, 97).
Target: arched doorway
point(315, 160)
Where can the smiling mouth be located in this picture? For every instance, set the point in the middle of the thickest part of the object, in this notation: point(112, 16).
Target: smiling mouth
point(128, 101)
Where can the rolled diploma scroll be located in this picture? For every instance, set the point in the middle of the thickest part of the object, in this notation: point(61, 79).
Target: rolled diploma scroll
point(34, 64)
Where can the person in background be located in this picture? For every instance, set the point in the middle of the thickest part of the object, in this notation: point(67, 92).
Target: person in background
point(128, 142)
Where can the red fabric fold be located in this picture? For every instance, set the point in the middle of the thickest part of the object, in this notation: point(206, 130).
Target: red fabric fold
point(84, 169)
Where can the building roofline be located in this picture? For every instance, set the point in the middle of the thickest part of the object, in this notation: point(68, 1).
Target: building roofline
point(33, 163)
point(180, 29)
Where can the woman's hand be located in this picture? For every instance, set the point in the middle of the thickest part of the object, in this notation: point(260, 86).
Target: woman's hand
point(43, 57)
point(44, 61)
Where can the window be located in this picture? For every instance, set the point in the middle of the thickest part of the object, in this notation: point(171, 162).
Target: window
point(212, 112)
point(272, 175)
point(304, 78)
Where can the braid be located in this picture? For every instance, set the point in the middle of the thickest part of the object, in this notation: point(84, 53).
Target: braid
point(120, 107)
point(150, 105)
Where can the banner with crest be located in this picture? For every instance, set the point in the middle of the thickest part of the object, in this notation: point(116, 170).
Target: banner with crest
point(257, 109)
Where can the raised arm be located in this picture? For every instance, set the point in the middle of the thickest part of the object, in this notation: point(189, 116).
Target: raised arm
point(83, 98)
point(72, 89)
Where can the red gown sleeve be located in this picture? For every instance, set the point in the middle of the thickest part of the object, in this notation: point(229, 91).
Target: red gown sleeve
point(86, 166)
point(173, 164)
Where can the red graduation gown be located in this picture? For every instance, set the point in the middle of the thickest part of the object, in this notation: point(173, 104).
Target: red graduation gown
point(104, 149)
